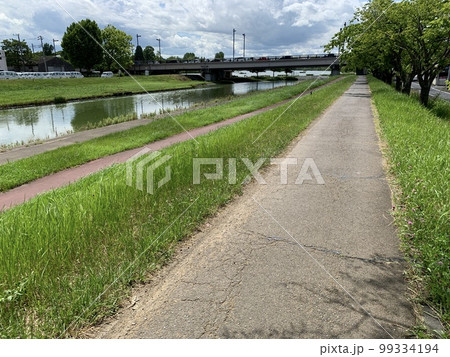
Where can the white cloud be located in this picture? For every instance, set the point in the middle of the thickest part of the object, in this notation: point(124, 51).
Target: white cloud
point(272, 26)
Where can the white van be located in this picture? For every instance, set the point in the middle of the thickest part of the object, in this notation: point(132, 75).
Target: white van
point(8, 75)
point(107, 74)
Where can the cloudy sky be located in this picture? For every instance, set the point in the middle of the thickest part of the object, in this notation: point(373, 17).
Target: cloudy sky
point(272, 27)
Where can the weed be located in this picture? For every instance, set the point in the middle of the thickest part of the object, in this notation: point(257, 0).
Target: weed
point(419, 154)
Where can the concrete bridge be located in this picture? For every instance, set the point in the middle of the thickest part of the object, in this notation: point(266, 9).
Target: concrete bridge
point(221, 69)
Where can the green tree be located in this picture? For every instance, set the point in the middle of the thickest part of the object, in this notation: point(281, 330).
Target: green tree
point(427, 41)
point(219, 55)
point(149, 53)
point(81, 44)
point(138, 54)
point(17, 53)
point(48, 49)
point(173, 59)
point(398, 39)
point(189, 56)
point(119, 49)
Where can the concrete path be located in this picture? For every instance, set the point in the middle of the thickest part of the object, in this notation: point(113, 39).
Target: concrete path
point(23, 152)
point(63, 178)
point(289, 261)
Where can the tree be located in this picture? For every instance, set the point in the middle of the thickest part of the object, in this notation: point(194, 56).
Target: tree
point(17, 53)
point(219, 55)
point(189, 56)
point(119, 49)
point(48, 49)
point(149, 53)
point(427, 41)
point(138, 54)
point(81, 44)
point(398, 39)
point(173, 59)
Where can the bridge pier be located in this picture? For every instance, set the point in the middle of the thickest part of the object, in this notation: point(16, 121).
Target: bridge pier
point(335, 70)
point(215, 75)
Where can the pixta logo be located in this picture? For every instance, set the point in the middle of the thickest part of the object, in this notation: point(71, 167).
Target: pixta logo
point(144, 164)
point(308, 172)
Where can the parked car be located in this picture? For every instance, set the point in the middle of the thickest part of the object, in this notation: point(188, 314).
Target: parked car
point(8, 75)
point(107, 74)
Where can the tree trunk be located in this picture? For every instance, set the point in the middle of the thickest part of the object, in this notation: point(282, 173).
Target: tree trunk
point(407, 86)
point(398, 84)
point(425, 94)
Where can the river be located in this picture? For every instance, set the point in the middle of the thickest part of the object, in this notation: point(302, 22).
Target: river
point(22, 125)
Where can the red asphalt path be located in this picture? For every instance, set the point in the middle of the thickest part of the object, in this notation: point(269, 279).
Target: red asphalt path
point(23, 193)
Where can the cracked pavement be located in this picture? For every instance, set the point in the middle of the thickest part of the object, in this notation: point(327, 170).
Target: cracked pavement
point(289, 261)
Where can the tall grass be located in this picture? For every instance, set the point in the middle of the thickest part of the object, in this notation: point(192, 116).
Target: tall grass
point(68, 257)
point(22, 171)
point(419, 153)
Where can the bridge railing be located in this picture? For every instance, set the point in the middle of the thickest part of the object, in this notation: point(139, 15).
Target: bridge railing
point(241, 59)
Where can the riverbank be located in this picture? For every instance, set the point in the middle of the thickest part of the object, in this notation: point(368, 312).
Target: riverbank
point(418, 151)
point(82, 247)
point(31, 92)
point(19, 172)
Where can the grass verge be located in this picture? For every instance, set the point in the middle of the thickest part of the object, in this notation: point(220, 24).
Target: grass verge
point(419, 157)
point(68, 257)
point(43, 91)
point(22, 171)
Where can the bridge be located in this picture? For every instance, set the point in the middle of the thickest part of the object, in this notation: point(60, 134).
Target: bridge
point(221, 69)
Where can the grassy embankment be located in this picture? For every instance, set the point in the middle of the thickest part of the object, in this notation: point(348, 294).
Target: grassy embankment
point(69, 256)
point(419, 155)
point(42, 91)
point(22, 171)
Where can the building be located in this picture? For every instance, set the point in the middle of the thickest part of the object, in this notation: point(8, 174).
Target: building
point(54, 64)
point(3, 65)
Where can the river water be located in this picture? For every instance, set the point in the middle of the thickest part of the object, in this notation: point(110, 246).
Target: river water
point(22, 125)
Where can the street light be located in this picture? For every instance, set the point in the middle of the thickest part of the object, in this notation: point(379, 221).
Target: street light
point(54, 45)
point(244, 45)
point(159, 44)
point(234, 40)
point(137, 40)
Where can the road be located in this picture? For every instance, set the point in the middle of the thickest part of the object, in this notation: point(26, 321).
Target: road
point(290, 260)
point(435, 91)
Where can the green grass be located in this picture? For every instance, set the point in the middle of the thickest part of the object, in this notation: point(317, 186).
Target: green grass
point(60, 251)
point(41, 91)
point(22, 171)
point(439, 107)
point(419, 153)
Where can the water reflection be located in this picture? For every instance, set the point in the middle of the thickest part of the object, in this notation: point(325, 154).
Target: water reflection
point(45, 122)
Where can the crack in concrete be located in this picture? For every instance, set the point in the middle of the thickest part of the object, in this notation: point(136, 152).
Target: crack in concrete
point(345, 178)
point(375, 260)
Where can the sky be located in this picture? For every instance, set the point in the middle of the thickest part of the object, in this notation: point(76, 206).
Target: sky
point(272, 27)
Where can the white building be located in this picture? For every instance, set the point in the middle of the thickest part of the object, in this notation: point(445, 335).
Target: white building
point(3, 65)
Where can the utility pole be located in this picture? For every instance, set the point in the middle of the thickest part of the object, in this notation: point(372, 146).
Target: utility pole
point(43, 56)
point(159, 44)
point(137, 40)
point(234, 40)
point(244, 45)
point(20, 47)
point(339, 44)
point(54, 45)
